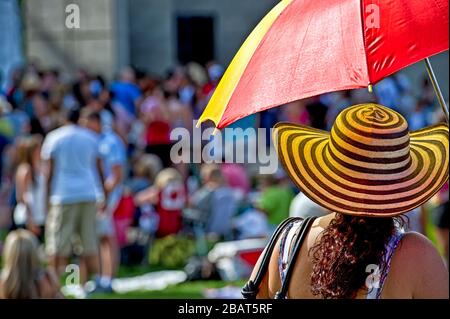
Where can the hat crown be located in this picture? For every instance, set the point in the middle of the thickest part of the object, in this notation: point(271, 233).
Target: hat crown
point(368, 133)
point(374, 114)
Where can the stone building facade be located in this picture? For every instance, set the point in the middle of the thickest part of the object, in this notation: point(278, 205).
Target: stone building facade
point(153, 35)
point(144, 33)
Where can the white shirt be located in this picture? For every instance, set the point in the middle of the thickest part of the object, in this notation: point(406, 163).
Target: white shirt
point(302, 206)
point(74, 151)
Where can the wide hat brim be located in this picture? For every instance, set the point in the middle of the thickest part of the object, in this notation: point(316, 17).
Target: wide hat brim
point(303, 151)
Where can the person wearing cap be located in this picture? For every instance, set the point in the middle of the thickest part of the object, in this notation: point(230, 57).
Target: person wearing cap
point(368, 171)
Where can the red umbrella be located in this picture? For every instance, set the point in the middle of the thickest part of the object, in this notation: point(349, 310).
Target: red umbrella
point(303, 48)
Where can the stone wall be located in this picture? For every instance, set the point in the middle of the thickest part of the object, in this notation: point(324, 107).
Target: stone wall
point(100, 44)
point(153, 43)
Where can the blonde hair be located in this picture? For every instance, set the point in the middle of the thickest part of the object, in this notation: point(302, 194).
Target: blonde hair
point(148, 165)
point(167, 176)
point(26, 146)
point(18, 279)
point(211, 172)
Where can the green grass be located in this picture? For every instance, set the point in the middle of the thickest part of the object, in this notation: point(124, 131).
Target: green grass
point(3, 233)
point(187, 290)
point(132, 271)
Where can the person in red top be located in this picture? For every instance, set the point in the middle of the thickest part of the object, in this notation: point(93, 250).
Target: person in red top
point(215, 72)
point(168, 196)
point(156, 117)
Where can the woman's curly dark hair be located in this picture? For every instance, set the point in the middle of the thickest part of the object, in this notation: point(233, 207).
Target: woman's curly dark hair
point(345, 248)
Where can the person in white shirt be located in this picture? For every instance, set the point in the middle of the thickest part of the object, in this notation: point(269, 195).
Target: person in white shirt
point(302, 206)
point(73, 166)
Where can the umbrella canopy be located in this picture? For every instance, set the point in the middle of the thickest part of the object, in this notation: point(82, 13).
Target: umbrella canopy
point(304, 48)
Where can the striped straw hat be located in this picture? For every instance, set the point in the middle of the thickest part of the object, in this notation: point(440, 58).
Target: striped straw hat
point(369, 165)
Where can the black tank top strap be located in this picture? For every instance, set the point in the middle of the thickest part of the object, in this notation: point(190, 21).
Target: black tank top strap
point(251, 288)
point(297, 244)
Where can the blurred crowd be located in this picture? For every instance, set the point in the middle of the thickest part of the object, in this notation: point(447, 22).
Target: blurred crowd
point(85, 167)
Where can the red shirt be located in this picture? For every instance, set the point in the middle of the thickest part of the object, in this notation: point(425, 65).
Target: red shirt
point(171, 201)
point(158, 133)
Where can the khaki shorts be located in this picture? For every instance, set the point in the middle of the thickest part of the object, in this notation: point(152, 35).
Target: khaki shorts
point(67, 222)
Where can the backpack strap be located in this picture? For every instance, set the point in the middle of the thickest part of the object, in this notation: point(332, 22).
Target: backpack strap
point(302, 233)
point(251, 288)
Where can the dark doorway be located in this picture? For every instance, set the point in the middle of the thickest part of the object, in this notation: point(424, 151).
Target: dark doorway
point(195, 36)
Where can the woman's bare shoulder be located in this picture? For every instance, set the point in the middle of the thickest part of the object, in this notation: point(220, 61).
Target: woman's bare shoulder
point(415, 243)
point(419, 251)
point(418, 257)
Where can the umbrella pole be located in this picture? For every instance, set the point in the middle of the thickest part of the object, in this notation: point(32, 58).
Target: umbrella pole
point(436, 87)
